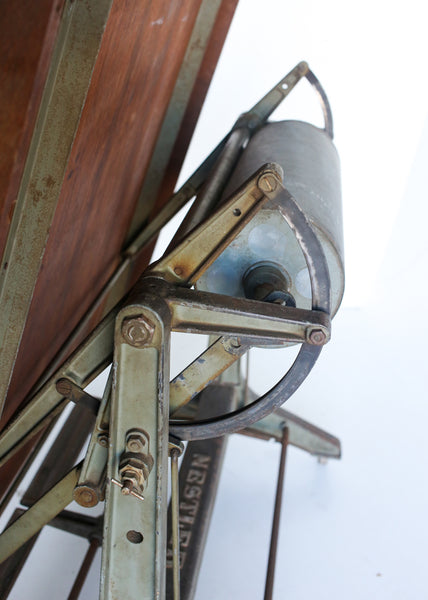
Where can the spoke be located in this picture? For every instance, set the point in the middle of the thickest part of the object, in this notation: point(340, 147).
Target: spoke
point(203, 370)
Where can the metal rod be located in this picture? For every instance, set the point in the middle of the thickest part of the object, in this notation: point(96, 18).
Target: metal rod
point(84, 569)
point(25, 466)
point(207, 199)
point(276, 518)
point(175, 524)
point(325, 105)
point(62, 454)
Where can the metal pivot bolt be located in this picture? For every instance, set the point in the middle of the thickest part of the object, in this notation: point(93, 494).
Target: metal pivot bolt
point(85, 496)
point(317, 337)
point(137, 331)
point(268, 183)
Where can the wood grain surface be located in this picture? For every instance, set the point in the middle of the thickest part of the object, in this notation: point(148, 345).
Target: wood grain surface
point(134, 76)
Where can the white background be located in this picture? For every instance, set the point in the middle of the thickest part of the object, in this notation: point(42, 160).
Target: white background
point(355, 528)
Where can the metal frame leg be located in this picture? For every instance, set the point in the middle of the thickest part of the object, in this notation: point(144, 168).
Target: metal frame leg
point(134, 548)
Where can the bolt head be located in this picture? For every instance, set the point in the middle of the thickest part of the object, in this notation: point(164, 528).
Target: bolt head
point(103, 439)
point(317, 337)
point(268, 183)
point(137, 331)
point(85, 496)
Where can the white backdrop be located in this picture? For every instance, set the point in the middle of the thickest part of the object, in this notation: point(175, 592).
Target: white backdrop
point(355, 528)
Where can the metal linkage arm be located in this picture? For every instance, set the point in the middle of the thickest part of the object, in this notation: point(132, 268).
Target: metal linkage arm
point(253, 321)
point(134, 550)
point(263, 109)
point(186, 263)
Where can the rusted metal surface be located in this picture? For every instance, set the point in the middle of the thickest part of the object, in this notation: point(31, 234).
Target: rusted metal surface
point(270, 101)
point(135, 256)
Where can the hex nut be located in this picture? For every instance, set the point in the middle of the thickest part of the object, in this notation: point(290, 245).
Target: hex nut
point(137, 331)
point(133, 474)
point(135, 442)
point(317, 337)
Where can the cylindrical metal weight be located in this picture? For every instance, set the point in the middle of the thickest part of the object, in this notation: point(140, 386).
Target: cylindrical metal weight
point(312, 175)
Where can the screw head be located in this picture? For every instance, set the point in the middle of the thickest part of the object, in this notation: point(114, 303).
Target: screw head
point(317, 337)
point(102, 439)
point(137, 331)
point(268, 183)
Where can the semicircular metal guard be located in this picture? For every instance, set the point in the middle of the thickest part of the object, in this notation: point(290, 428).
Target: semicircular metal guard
point(308, 354)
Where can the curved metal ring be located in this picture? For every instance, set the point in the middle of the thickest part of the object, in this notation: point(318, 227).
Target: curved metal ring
point(325, 104)
point(307, 356)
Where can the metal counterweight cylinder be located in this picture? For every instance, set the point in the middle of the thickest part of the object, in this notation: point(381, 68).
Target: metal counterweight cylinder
point(311, 168)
